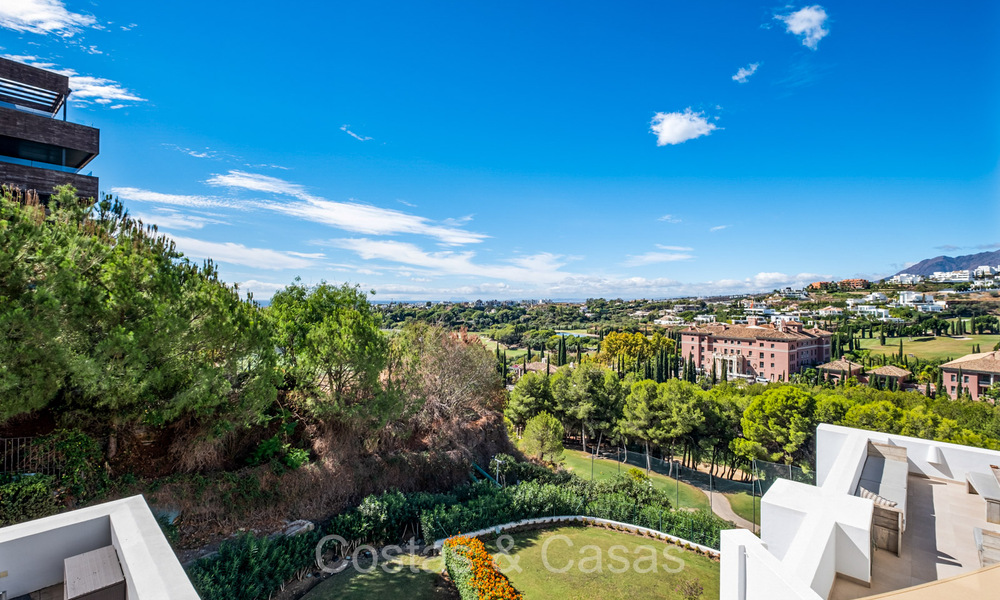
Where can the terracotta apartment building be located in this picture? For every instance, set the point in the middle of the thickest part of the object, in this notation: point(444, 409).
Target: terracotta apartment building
point(973, 372)
point(772, 352)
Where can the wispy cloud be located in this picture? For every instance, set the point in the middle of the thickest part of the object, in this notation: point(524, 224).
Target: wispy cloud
point(669, 219)
point(948, 248)
point(86, 89)
point(992, 246)
point(718, 227)
point(191, 201)
point(744, 74)
point(171, 219)
point(675, 248)
point(361, 138)
point(349, 216)
point(43, 17)
point(652, 258)
point(238, 254)
point(808, 23)
point(678, 127)
point(206, 153)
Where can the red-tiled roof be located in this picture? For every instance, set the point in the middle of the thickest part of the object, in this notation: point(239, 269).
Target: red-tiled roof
point(984, 362)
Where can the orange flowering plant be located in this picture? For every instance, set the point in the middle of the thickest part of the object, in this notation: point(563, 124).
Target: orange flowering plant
point(474, 572)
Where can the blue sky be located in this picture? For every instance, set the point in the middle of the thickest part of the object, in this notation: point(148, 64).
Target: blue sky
point(521, 150)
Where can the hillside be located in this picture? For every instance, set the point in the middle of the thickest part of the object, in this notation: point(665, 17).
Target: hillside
point(927, 266)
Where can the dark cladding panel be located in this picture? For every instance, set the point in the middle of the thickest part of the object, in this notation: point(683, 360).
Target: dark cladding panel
point(44, 180)
point(54, 132)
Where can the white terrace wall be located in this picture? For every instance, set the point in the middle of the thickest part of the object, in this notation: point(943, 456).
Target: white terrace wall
point(33, 556)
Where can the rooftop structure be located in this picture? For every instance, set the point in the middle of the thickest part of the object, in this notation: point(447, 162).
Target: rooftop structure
point(116, 547)
point(755, 350)
point(973, 373)
point(888, 513)
point(38, 150)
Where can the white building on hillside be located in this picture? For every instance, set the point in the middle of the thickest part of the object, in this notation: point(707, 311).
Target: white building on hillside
point(889, 514)
point(952, 276)
point(984, 271)
point(876, 298)
point(906, 279)
point(112, 550)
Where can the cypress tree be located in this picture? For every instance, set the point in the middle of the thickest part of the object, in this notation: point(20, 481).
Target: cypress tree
point(900, 349)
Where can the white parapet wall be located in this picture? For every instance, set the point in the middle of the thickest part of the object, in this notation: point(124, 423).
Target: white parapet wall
point(32, 553)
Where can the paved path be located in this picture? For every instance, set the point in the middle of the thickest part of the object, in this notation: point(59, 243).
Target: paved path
point(721, 507)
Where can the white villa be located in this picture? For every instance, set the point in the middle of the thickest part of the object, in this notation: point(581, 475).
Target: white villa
point(890, 517)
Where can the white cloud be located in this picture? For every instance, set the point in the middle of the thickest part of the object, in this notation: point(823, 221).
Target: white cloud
point(543, 268)
point(744, 74)
point(192, 201)
point(43, 17)
point(86, 89)
point(679, 127)
point(238, 254)
point(361, 138)
point(171, 219)
point(669, 219)
point(719, 227)
point(349, 216)
point(652, 258)
point(675, 248)
point(261, 290)
point(807, 23)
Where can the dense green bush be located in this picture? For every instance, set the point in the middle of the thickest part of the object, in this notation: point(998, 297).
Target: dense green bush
point(26, 497)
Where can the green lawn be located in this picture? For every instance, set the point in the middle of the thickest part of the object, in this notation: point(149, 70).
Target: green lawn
point(584, 546)
point(579, 463)
point(425, 584)
point(743, 505)
point(933, 348)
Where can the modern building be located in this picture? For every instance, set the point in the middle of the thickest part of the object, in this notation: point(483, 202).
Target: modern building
point(890, 517)
point(39, 148)
point(974, 373)
point(960, 276)
point(756, 350)
point(906, 279)
point(111, 550)
point(830, 311)
point(984, 271)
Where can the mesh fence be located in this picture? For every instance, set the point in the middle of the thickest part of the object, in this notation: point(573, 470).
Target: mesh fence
point(766, 473)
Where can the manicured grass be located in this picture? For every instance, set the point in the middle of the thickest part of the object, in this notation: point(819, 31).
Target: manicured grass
point(579, 463)
point(422, 585)
point(743, 505)
point(932, 348)
point(557, 547)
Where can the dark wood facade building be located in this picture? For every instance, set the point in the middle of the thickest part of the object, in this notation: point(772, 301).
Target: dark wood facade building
point(39, 148)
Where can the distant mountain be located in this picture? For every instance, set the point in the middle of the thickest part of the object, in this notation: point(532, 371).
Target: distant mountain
point(947, 263)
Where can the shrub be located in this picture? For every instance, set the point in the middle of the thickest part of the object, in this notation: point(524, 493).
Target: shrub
point(81, 461)
point(26, 497)
point(475, 574)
